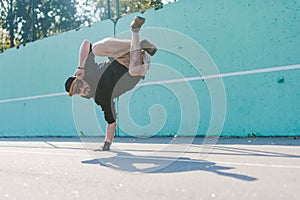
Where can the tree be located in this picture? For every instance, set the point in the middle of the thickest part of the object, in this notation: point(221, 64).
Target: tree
point(4, 40)
point(96, 10)
point(24, 21)
point(28, 20)
point(7, 18)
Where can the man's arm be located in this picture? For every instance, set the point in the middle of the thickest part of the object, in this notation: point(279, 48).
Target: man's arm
point(83, 54)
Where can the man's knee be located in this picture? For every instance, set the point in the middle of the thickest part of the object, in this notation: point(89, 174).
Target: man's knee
point(137, 71)
point(101, 45)
point(86, 43)
point(98, 49)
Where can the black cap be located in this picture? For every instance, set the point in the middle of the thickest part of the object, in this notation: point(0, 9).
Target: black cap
point(69, 82)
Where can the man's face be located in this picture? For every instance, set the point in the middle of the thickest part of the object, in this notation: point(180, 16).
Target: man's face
point(82, 89)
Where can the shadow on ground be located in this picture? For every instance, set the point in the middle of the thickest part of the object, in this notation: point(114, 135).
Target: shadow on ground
point(127, 162)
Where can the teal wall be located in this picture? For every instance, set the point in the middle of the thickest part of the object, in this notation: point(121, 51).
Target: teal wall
point(233, 35)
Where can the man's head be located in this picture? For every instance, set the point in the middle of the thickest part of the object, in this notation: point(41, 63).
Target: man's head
point(77, 86)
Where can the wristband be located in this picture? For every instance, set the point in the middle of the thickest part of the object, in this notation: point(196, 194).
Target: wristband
point(80, 67)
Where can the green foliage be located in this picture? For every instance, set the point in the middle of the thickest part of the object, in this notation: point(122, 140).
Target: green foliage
point(125, 7)
point(23, 21)
point(4, 40)
point(28, 20)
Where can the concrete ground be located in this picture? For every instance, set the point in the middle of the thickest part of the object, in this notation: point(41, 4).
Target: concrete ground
point(155, 168)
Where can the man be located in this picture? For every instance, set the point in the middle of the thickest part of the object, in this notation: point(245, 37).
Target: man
point(128, 63)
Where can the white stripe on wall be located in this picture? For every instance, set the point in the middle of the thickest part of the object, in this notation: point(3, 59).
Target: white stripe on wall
point(230, 74)
point(33, 97)
point(256, 71)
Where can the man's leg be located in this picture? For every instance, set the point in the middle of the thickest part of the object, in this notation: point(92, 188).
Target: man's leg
point(111, 47)
point(110, 134)
point(136, 62)
point(114, 47)
point(146, 46)
point(136, 65)
point(119, 48)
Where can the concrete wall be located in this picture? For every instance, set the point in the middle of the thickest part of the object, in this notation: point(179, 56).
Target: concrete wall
point(246, 41)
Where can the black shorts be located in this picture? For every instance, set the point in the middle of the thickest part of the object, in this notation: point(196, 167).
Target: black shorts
point(114, 81)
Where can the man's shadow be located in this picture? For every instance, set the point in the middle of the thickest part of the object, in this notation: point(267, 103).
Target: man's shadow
point(127, 162)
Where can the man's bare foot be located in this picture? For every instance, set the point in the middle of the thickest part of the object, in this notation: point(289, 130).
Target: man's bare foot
point(137, 23)
point(149, 47)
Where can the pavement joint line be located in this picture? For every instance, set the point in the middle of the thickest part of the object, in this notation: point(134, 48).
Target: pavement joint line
point(167, 159)
point(45, 153)
point(51, 145)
